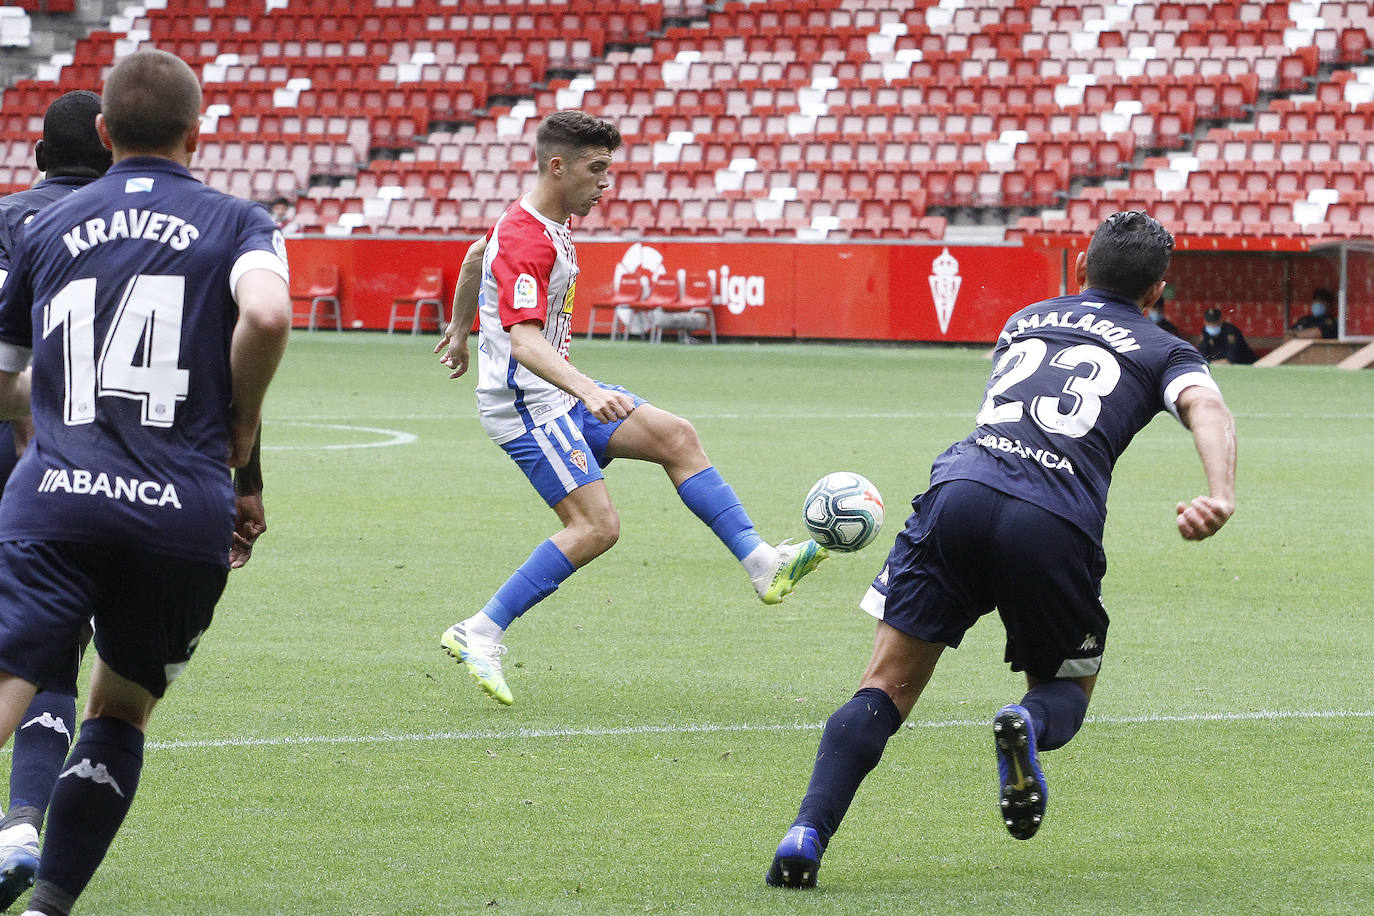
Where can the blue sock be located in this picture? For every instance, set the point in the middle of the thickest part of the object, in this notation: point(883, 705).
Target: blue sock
point(41, 744)
point(93, 793)
point(714, 501)
point(536, 579)
point(851, 746)
point(1057, 709)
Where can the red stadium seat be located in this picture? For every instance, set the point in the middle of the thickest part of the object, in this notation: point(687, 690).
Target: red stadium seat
point(427, 294)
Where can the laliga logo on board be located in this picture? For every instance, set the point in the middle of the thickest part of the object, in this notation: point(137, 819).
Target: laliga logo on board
point(639, 261)
point(944, 287)
point(735, 292)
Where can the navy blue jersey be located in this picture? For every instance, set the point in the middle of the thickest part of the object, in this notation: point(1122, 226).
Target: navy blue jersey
point(124, 293)
point(16, 210)
point(1073, 380)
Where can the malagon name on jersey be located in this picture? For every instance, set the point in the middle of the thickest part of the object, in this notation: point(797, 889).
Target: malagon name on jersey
point(1116, 337)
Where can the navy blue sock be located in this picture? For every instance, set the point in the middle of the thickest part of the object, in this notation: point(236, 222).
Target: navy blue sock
point(1057, 709)
point(851, 746)
point(93, 793)
point(41, 744)
point(713, 501)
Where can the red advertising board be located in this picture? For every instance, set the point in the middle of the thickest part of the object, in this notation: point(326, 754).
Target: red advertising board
point(841, 291)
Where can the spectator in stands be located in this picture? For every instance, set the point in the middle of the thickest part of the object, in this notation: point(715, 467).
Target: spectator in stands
point(1320, 323)
point(1222, 342)
point(284, 216)
point(1156, 314)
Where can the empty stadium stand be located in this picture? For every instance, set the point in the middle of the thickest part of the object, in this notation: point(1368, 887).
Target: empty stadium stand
point(877, 119)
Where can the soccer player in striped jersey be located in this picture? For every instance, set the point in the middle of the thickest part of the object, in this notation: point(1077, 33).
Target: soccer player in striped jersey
point(560, 426)
point(1013, 519)
point(154, 311)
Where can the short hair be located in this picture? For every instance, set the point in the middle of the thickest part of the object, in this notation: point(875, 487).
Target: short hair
point(70, 141)
point(1324, 295)
point(568, 133)
point(1212, 314)
point(1128, 253)
point(151, 100)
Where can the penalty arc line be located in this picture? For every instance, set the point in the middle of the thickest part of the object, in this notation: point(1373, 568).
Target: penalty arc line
point(631, 730)
point(394, 437)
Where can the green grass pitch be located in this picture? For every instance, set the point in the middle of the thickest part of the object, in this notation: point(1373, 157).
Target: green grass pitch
point(321, 755)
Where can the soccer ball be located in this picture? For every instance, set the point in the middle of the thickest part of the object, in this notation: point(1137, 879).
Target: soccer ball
point(843, 512)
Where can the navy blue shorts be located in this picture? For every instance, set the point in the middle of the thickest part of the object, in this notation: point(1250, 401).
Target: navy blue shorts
point(150, 610)
point(968, 548)
point(566, 452)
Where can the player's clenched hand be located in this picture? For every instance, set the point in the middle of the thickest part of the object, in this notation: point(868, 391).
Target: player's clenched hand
point(250, 521)
point(609, 406)
point(454, 348)
point(1203, 517)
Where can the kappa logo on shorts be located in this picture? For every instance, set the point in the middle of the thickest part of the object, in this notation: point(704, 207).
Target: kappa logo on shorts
point(579, 458)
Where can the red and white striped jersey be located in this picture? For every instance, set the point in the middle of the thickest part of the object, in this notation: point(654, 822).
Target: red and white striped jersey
point(529, 272)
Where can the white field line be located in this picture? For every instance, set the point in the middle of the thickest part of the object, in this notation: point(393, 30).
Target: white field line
point(783, 415)
point(393, 437)
point(518, 734)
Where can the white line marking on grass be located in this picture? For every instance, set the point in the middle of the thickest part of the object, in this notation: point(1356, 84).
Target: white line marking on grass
point(527, 733)
point(396, 437)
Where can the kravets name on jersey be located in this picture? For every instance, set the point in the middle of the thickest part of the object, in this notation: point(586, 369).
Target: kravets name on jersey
point(1074, 379)
point(131, 224)
point(529, 271)
point(123, 297)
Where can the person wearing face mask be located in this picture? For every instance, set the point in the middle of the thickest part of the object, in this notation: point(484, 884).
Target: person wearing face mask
point(1320, 323)
point(1222, 342)
point(1156, 314)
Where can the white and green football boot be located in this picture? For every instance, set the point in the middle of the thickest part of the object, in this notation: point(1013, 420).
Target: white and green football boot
point(482, 657)
point(794, 561)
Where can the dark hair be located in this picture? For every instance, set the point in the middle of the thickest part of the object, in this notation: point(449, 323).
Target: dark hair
point(1128, 253)
point(71, 145)
point(567, 133)
point(151, 101)
point(1212, 315)
point(1324, 295)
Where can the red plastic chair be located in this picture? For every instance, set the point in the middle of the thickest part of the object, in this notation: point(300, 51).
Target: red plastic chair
point(320, 294)
point(427, 294)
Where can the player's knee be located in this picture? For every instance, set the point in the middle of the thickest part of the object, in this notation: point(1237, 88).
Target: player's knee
point(680, 440)
point(598, 534)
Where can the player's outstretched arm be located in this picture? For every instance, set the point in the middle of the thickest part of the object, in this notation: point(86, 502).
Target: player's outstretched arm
point(255, 351)
point(1204, 412)
point(531, 350)
point(454, 344)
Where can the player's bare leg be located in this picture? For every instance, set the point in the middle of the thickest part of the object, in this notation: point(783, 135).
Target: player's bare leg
point(651, 434)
